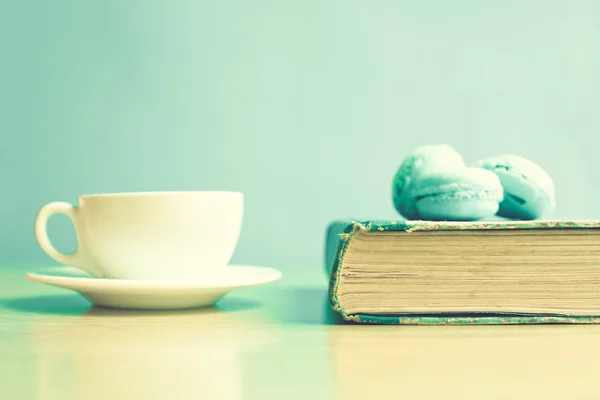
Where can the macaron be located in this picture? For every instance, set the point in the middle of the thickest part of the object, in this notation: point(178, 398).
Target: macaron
point(458, 194)
point(422, 161)
point(528, 190)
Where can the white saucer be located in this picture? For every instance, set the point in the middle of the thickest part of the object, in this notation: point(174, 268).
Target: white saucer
point(152, 295)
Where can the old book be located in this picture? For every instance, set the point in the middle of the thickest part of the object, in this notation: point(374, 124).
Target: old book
point(499, 272)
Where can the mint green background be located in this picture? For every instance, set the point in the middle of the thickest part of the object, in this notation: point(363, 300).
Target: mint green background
point(306, 106)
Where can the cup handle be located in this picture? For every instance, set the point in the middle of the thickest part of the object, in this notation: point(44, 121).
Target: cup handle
point(76, 259)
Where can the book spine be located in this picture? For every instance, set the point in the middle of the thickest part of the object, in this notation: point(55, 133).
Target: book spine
point(332, 241)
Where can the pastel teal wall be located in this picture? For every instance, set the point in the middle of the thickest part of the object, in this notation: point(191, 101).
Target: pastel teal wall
point(306, 106)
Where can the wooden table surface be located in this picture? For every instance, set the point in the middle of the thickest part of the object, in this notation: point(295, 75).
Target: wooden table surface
point(277, 341)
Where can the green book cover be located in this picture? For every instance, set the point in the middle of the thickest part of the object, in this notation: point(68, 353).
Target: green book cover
point(341, 233)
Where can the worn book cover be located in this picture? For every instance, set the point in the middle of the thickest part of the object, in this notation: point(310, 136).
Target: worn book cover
point(340, 235)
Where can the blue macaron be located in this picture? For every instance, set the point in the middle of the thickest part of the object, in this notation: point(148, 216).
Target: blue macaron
point(424, 160)
point(528, 190)
point(433, 183)
point(462, 194)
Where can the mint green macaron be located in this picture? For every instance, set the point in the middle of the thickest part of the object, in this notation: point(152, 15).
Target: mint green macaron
point(528, 189)
point(423, 160)
point(433, 183)
point(461, 194)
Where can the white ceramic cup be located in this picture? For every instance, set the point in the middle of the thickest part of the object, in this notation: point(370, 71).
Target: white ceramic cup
point(175, 236)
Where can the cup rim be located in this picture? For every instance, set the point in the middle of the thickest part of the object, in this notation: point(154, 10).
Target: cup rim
point(163, 193)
